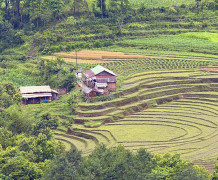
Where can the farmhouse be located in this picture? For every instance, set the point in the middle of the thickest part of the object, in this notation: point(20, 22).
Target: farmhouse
point(99, 81)
point(37, 94)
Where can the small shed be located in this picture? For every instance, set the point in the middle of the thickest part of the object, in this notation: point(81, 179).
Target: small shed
point(78, 74)
point(100, 77)
point(37, 94)
point(89, 92)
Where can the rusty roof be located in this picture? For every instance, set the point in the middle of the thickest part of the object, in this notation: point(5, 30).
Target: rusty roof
point(89, 74)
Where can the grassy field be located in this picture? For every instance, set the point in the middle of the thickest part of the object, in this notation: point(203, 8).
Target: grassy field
point(163, 102)
point(135, 132)
point(159, 3)
point(190, 42)
point(202, 35)
point(153, 3)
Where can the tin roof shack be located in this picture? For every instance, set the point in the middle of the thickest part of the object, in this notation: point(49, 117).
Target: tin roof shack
point(37, 94)
point(101, 78)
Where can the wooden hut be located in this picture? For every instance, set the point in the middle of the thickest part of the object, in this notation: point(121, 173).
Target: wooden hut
point(100, 78)
point(37, 94)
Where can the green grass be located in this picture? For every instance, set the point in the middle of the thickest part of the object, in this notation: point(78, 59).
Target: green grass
point(202, 35)
point(92, 124)
point(175, 43)
point(147, 132)
point(154, 3)
point(160, 53)
point(159, 3)
point(18, 78)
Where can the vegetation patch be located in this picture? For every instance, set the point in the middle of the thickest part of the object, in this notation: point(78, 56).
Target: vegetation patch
point(202, 35)
point(92, 124)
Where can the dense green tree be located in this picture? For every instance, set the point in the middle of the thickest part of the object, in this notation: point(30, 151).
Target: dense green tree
point(17, 121)
point(6, 100)
point(117, 10)
point(6, 138)
point(26, 157)
point(65, 166)
point(189, 172)
point(7, 35)
point(20, 168)
point(117, 163)
point(46, 121)
point(102, 5)
point(9, 88)
point(172, 166)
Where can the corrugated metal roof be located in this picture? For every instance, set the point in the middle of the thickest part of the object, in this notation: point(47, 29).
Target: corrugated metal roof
point(36, 95)
point(87, 90)
point(89, 74)
point(97, 69)
point(54, 91)
point(35, 89)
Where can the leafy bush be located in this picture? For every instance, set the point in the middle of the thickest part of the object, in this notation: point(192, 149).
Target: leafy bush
point(97, 44)
point(46, 121)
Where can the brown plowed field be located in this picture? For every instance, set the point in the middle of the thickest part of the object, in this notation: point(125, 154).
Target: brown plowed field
point(80, 61)
point(99, 55)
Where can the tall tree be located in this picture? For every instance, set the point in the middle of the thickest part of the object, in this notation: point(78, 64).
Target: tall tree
point(118, 10)
point(87, 8)
point(102, 5)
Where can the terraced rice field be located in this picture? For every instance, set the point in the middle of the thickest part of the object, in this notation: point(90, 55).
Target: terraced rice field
point(128, 64)
point(162, 111)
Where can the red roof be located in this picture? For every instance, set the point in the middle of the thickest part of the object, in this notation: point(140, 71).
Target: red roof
point(89, 74)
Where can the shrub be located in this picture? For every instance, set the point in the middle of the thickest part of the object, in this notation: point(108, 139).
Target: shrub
point(97, 44)
point(46, 121)
point(68, 47)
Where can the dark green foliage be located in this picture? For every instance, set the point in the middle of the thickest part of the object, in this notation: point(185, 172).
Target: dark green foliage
point(190, 172)
point(25, 157)
point(8, 95)
point(68, 81)
point(9, 88)
point(119, 163)
point(46, 121)
point(17, 122)
point(55, 73)
point(8, 36)
point(102, 5)
point(215, 174)
point(65, 166)
point(7, 138)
